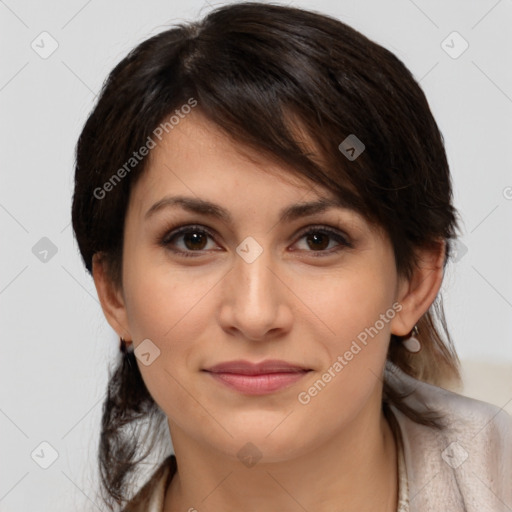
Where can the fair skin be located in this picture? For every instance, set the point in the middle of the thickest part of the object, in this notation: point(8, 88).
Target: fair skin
point(336, 452)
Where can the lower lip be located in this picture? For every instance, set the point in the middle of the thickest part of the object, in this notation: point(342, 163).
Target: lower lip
point(258, 384)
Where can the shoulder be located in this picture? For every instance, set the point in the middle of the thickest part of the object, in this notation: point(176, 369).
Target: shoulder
point(150, 498)
point(463, 416)
point(468, 462)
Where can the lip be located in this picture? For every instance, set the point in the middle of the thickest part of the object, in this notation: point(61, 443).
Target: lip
point(257, 378)
point(264, 367)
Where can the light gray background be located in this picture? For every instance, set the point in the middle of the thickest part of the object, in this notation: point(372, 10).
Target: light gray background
point(56, 344)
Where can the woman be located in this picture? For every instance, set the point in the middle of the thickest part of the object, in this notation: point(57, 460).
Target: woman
point(264, 202)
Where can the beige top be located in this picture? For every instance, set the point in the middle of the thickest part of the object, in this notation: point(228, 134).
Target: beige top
point(466, 467)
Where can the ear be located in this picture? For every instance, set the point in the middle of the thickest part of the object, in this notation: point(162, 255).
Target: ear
point(111, 298)
point(418, 293)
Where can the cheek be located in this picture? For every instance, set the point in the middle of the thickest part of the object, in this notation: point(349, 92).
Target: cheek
point(349, 303)
point(167, 309)
point(169, 306)
point(161, 300)
point(355, 310)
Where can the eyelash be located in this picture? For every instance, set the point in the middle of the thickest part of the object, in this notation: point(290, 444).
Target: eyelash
point(170, 235)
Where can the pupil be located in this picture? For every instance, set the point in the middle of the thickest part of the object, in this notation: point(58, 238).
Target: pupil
point(192, 239)
point(316, 237)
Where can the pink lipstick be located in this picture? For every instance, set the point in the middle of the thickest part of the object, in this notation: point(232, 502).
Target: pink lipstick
point(257, 378)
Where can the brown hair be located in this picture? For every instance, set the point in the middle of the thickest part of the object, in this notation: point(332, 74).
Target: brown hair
point(252, 68)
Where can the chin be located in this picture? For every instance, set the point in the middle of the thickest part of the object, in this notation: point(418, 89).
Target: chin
point(263, 443)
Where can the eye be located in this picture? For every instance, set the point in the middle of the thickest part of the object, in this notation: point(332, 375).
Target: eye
point(194, 239)
point(318, 238)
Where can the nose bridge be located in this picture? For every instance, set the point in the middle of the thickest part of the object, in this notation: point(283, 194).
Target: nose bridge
point(256, 280)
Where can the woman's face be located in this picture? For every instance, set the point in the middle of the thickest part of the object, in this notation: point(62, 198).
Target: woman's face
point(248, 284)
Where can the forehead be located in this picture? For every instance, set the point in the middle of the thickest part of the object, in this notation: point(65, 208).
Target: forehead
point(198, 161)
point(196, 157)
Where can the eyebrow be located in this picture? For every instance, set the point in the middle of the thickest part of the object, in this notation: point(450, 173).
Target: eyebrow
point(203, 207)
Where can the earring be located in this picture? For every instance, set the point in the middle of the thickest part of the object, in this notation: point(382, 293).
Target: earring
point(124, 347)
point(412, 343)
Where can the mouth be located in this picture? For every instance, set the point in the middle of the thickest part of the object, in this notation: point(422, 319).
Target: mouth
point(249, 368)
point(257, 378)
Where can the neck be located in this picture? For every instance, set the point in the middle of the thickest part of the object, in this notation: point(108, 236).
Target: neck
point(355, 470)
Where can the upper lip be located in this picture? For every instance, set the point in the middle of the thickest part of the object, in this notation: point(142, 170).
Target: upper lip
point(248, 368)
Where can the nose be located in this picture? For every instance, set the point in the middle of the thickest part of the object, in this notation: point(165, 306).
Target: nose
point(255, 302)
